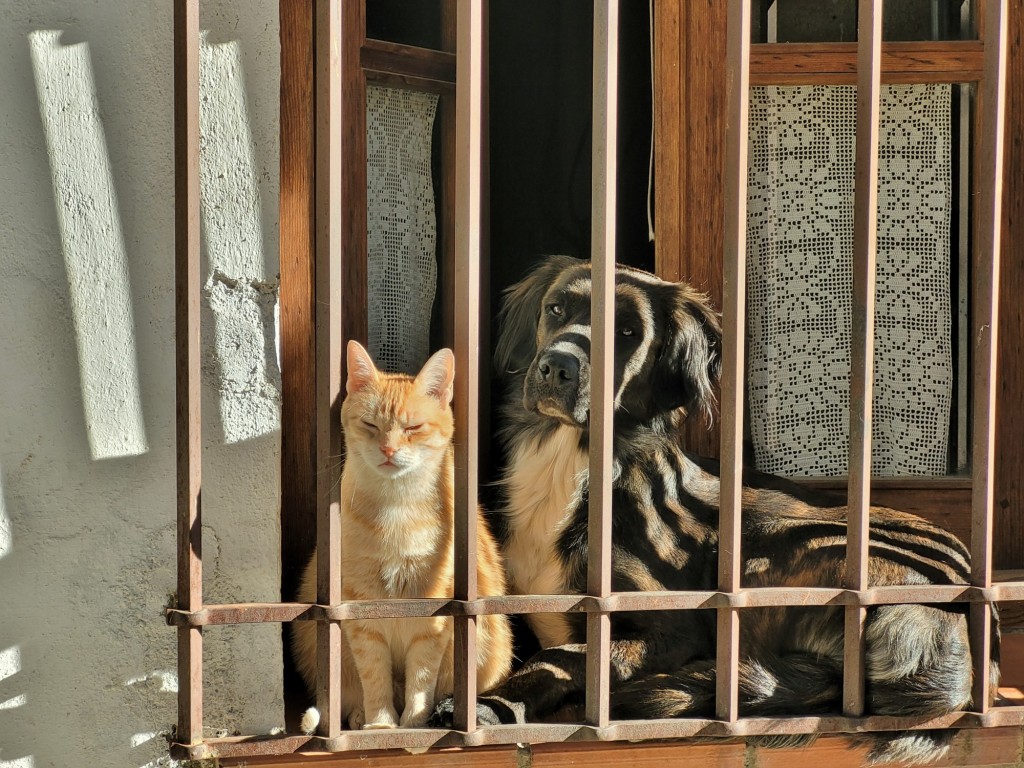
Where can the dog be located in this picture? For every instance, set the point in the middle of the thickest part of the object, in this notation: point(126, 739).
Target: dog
point(667, 361)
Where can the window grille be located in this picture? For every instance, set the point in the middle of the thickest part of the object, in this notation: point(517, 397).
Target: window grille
point(191, 615)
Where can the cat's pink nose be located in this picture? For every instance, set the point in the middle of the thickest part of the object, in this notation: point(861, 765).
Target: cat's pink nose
point(387, 450)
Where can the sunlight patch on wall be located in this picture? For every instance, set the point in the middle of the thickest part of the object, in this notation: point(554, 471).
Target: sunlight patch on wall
point(163, 680)
point(10, 662)
point(242, 300)
point(6, 533)
point(93, 242)
point(21, 762)
point(10, 665)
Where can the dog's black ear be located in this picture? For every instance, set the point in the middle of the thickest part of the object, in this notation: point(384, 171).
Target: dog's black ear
point(520, 314)
point(690, 362)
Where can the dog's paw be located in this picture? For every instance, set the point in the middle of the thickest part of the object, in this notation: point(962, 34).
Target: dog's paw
point(489, 711)
point(443, 715)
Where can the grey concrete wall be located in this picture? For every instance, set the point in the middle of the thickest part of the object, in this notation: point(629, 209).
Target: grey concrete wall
point(87, 475)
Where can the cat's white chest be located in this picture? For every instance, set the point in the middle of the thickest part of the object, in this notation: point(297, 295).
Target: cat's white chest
point(409, 553)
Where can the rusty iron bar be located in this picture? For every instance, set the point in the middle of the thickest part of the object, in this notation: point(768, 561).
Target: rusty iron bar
point(602, 346)
point(734, 321)
point(188, 412)
point(468, 210)
point(327, 69)
point(626, 730)
point(862, 343)
point(989, 179)
point(765, 597)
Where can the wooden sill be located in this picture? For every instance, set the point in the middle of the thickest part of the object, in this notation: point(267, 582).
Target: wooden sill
point(992, 747)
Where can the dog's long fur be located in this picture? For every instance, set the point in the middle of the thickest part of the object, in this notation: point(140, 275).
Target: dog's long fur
point(667, 357)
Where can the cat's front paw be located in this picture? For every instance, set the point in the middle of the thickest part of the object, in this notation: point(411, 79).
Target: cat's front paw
point(414, 718)
point(385, 717)
point(489, 711)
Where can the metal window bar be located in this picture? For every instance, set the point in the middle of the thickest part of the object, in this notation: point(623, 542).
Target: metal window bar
point(986, 322)
point(468, 168)
point(327, 286)
point(187, 340)
point(602, 302)
point(734, 293)
point(190, 615)
point(862, 341)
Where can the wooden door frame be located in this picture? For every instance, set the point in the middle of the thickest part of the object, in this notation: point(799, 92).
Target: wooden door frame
point(689, 118)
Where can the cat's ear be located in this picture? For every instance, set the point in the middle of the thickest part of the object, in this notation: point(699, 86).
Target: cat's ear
point(361, 370)
point(437, 377)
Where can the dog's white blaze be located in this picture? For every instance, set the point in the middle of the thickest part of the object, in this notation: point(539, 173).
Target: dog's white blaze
point(544, 487)
point(580, 287)
point(636, 361)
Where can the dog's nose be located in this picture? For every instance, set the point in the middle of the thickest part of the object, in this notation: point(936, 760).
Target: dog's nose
point(559, 368)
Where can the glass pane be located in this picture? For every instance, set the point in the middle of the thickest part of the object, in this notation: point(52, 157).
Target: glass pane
point(409, 22)
point(835, 21)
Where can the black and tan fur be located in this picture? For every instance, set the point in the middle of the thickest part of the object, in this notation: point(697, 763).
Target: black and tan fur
point(667, 353)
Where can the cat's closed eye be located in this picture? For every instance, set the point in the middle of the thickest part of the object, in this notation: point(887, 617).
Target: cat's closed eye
point(414, 428)
point(369, 425)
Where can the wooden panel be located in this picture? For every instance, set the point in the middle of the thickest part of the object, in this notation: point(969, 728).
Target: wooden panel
point(814, 63)
point(298, 430)
point(379, 56)
point(353, 194)
point(689, 44)
point(1009, 497)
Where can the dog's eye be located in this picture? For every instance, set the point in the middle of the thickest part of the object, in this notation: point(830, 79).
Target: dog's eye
point(626, 331)
point(556, 310)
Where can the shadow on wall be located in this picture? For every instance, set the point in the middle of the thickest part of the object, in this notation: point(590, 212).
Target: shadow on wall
point(86, 424)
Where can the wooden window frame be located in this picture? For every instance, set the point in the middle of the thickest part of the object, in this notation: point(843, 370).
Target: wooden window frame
point(328, 224)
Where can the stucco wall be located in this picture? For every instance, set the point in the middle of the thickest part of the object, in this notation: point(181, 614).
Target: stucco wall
point(87, 476)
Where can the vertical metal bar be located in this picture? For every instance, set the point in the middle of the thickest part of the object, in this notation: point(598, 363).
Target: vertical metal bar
point(602, 347)
point(468, 132)
point(963, 408)
point(327, 288)
point(187, 337)
point(986, 316)
point(963, 275)
point(733, 315)
point(862, 341)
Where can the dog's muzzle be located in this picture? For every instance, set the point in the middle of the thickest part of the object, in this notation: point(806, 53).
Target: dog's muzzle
point(555, 387)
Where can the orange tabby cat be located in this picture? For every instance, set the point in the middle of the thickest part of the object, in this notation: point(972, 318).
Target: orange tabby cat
point(397, 520)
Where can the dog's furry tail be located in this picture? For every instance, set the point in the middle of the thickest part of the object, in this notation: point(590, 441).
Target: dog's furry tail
point(777, 685)
point(781, 684)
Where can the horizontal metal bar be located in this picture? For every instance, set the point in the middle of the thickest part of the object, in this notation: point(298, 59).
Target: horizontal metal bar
point(631, 730)
point(766, 597)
